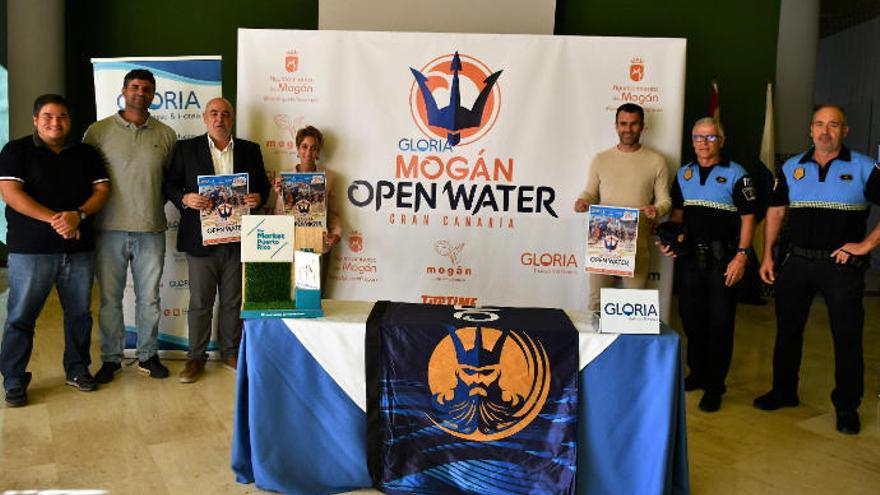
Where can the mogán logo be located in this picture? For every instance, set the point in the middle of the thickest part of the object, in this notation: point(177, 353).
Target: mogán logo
point(454, 271)
point(288, 126)
point(291, 61)
point(636, 69)
point(355, 241)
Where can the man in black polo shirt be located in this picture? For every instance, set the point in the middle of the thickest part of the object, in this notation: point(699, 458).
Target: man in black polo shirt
point(52, 188)
point(825, 193)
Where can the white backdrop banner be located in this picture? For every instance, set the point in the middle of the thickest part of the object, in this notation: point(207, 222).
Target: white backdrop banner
point(458, 156)
point(184, 85)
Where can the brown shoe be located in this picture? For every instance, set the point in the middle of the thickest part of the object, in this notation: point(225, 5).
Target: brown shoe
point(231, 363)
point(191, 372)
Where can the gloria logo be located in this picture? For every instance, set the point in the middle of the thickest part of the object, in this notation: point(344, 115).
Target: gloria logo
point(487, 384)
point(560, 260)
point(631, 309)
point(355, 241)
point(169, 100)
point(439, 90)
point(291, 61)
point(454, 253)
point(636, 69)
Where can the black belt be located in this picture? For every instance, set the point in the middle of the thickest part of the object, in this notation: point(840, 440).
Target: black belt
point(812, 254)
point(825, 255)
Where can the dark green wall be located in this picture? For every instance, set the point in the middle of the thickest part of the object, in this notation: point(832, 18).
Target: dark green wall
point(113, 28)
point(733, 42)
point(3, 30)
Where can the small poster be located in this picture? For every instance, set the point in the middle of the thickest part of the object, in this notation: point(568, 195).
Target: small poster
point(307, 270)
point(221, 220)
point(611, 240)
point(305, 197)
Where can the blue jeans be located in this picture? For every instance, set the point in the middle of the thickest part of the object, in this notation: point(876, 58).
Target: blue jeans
point(146, 253)
point(31, 277)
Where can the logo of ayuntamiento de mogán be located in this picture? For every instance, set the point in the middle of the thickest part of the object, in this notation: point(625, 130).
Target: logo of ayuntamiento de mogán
point(439, 90)
point(487, 384)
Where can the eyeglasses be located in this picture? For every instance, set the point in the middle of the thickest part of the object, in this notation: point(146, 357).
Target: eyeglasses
point(701, 138)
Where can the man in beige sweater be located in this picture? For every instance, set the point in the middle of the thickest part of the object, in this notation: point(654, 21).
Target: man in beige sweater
point(632, 176)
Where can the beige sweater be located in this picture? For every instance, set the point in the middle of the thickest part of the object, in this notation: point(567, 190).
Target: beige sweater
point(632, 180)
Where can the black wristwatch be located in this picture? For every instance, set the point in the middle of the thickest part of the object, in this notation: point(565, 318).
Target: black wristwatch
point(82, 214)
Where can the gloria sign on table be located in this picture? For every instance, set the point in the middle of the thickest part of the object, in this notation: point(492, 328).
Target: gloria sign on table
point(629, 311)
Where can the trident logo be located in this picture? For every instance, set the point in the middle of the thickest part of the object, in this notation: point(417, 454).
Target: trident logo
point(454, 117)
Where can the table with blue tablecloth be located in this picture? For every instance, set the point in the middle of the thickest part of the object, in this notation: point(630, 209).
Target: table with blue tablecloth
point(300, 421)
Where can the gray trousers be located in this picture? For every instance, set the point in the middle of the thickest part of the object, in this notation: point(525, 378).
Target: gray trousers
point(219, 270)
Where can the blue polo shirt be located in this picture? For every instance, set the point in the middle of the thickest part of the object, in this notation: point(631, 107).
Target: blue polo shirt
point(714, 199)
point(59, 181)
point(827, 206)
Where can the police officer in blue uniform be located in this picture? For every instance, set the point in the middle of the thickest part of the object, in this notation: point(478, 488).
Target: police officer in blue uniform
point(825, 194)
point(715, 200)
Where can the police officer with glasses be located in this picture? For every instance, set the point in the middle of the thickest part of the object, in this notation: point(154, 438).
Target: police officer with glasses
point(714, 199)
point(824, 195)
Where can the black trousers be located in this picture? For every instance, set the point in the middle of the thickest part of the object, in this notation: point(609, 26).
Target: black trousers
point(708, 309)
point(842, 286)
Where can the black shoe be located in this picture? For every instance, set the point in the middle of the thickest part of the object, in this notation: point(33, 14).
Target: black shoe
point(710, 402)
point(771, 402)
point(848, 422)
point(108, 369)
point(692, 383)
point(84, 383)
point(153, 367)
point(17, 396)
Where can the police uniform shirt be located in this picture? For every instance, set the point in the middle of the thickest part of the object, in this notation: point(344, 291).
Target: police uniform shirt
point(60, 182)
point(713, 198)
point(827, 206)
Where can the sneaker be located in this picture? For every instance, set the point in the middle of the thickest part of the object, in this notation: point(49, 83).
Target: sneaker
point(771, 402)
point(108, 369)
point(192, 371)
point(83, 383)
point(231, 363)
point(153, 367)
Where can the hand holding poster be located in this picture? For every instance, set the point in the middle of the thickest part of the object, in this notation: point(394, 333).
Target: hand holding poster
point(305, 198)
point(221, 220)
point(611, 240)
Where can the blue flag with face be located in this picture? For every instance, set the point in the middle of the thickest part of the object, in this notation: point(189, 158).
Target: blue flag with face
point(478, 401)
